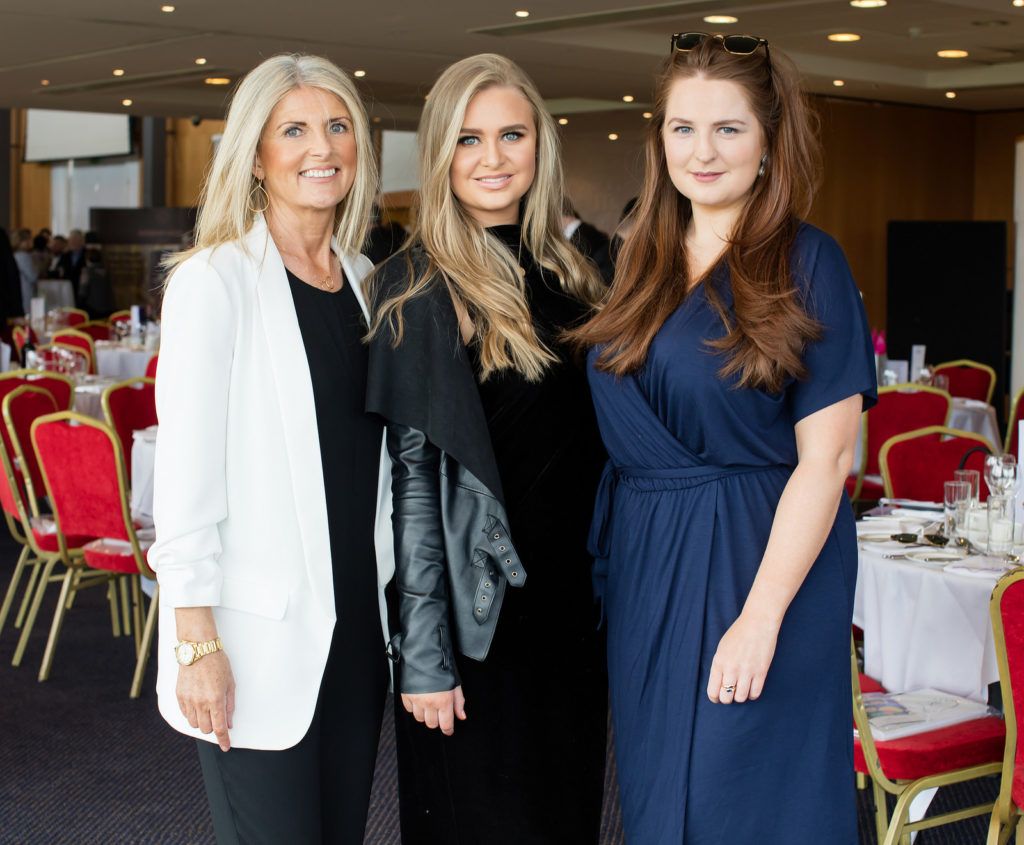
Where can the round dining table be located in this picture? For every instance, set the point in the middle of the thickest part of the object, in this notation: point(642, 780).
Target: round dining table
point(121, 361)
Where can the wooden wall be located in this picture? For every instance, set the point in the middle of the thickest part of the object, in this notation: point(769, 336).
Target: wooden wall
point(189, 152)
point(30, 183)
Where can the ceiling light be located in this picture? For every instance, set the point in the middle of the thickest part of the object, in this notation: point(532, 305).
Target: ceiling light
point(721, 19)
point(628, 98)
point(167, 8)
point(126, 102)
point(1018, 3)
point(44, 81)
point(951, 95)
point(839, 83)
point(562, 121)
point(613, 136)
point(844, 36)
point(217, 80)
point(648, 115)
point(868, 4)
point(522, 13)
point(200, 61)
point(119, 71)
point(359, 74)
point(952, 54)
point(376, 120)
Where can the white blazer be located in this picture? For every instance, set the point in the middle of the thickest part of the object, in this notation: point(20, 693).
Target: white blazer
point(239, 503)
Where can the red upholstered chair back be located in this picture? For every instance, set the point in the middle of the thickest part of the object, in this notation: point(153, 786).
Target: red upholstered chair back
point(51, 360)
point(901, 408)
point(968, 379)
point(20, 409)
point(129, 406)
point(95, 329)
point(75, 316)
point(915, 464)
point(120, 316)
point(11, 494)
point(1016, 415)
point(84, 474)
point(1007, 611)
point(59, 387)
point(151, 367)
point(79, 340)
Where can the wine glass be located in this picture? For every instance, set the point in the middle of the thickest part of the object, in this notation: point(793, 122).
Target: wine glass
point(1000, 474)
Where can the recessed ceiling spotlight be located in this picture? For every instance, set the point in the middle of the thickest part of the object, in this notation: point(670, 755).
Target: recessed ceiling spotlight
point(868, 4)
point(126, 102)
point(648, 115)
point(359, 74)
point(839, 83)
point(951, 95)
point(119, 71)
point(44, 81)
point(613, 136)
point(627, 98)
point(167, 8)
point(844, 36)
point(522, 13)
point(217, 80)
point(200, 61)
point(376, 120)
point(721, 19)
point(952, 54)
point(563, 121)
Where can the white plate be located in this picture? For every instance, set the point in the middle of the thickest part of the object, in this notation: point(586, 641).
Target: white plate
point(881, 537)
point(934, 556)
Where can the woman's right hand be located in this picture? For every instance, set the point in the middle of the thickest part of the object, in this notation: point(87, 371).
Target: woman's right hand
point(206, 689)
point(437, 709)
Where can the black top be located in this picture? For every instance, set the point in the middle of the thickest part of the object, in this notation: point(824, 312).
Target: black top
point(332, 327)
point(548, 451)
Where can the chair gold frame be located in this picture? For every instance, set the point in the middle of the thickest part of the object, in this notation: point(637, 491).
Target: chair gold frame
point(883, 455)
point(906, 387)
point(975, 365)
point(897, 830)
point(56, 339)
point(30, 375)
point(129, 383)
point(143, 642)
point(1011, 420)
point(1005, 815)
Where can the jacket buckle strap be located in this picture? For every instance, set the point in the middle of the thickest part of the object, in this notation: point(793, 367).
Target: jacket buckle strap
point(503, 551)
point(484, 599)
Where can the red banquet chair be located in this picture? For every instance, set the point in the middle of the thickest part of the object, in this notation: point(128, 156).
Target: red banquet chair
point(58, 386)
point(34, 531)
point(120, 316)
point(1016, 415)
point(84, 471)
point(20, 335)
point(79, 340)
point(906, 767)
point(96, 329)
point(129, 406)
point(968, 379)
point(51, 360)
point(900, 408)
point(1007, 610)
point(916, 463)
point(74, 316)
point(151, 367)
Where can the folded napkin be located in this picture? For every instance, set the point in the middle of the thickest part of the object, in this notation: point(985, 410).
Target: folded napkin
point(919, 515)
point(889, 548)
point(980, 566)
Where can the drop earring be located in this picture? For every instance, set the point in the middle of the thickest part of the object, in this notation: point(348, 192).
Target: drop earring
point(256, 191)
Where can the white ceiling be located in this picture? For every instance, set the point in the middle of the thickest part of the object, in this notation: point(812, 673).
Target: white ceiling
point(584, 54)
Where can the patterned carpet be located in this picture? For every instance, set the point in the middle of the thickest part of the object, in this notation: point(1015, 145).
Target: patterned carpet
point(81, 764)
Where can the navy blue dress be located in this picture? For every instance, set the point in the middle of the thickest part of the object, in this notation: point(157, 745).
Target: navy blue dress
point(683, 515)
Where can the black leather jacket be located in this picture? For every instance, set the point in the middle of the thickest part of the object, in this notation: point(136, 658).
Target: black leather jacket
point(453, 556)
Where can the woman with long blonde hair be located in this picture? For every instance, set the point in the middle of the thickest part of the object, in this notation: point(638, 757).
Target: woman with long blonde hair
point(272, 645)
point(501, 705)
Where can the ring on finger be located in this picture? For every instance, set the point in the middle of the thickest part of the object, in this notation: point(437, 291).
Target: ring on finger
point(729, 688)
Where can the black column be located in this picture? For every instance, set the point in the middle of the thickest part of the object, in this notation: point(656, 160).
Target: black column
point(154, 162)
point(6, 182)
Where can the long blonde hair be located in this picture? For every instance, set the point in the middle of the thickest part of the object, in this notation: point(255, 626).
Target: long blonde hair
point(481, 273)
point(225, 213)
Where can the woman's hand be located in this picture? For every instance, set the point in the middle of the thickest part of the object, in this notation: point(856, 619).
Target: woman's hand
point(437, 709)
point(206, 689)
point(744, 654)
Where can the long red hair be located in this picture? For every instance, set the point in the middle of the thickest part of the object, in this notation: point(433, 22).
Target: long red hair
point(767, 327)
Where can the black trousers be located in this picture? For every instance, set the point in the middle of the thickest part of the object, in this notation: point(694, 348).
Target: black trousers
point(319, 790)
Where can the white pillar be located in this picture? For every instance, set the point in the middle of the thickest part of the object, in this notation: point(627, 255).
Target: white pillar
point(1017, 323)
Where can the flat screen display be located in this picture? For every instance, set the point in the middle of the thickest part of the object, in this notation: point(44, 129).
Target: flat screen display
point(62, 135)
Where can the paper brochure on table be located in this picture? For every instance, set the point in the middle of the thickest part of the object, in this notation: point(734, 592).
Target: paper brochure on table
point(907, 713)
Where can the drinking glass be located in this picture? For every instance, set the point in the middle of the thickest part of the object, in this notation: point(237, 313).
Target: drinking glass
point(1000, 525)
point(972, 477)
point(941, 381)
point(1000, 474)
point(956, 497)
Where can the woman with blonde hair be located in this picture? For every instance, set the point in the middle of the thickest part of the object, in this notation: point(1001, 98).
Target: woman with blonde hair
point(501, 710)
point(268, 472)
point(729, 369)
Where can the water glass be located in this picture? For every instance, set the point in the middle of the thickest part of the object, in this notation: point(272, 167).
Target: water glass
point(956, 498)
point(972, 477)
point(1000, 525)
point(1000, 474)
point(941, 381)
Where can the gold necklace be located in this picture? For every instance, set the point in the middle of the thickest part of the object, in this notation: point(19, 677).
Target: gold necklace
point(326, 283)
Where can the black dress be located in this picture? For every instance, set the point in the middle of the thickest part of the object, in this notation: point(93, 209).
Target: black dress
point(319, 790)
point(542, 691)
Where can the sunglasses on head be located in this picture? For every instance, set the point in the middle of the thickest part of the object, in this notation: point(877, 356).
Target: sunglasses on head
point(738, 45)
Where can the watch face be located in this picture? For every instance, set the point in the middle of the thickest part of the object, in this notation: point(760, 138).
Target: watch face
point(186, 653)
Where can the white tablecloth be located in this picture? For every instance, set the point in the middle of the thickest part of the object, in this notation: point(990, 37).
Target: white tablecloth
point(924, 627)
point(143, 457)
point(58, 293)
point(121, 362)
point(89, 395)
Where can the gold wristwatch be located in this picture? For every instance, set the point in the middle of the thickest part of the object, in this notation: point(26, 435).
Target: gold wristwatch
point(187, 652)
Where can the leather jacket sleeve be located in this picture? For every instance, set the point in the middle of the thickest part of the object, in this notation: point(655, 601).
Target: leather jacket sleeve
point(424, 651)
